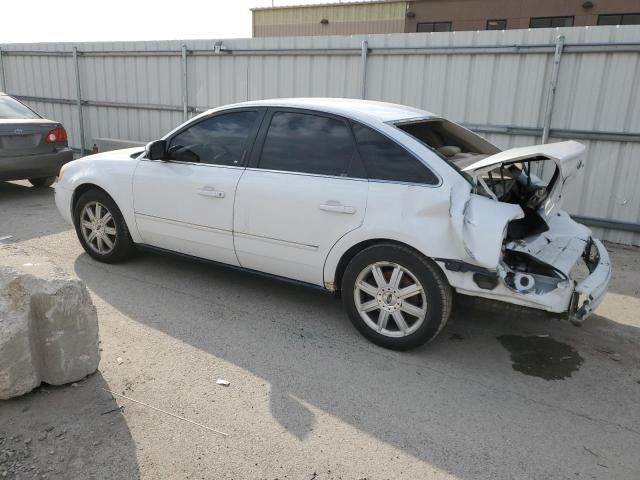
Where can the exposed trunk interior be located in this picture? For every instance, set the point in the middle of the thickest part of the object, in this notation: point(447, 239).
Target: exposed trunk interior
point(534, 261)
point(528, 184)
point(525, 183)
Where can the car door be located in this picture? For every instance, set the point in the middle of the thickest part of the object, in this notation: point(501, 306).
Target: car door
point(300, 194)
point(185, 204)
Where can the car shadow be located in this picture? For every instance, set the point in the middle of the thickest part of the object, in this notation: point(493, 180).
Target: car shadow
point(67, 432)
point(455, 404)
point(28, 210)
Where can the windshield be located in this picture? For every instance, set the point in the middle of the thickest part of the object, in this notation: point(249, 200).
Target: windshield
point(10, 108)
point(453, 142)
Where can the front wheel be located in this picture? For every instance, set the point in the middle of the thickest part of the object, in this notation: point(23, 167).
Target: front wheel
point(101, 228)
point(395, 297)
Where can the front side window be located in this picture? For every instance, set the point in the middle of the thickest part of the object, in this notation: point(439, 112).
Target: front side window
point(219, 140)
point(434, 27)
point(10, 108)
point(550, 22)
point(307, 143)
point(386, 160)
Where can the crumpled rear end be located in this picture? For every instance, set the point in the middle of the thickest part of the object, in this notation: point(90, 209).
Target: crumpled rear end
point(590, 291)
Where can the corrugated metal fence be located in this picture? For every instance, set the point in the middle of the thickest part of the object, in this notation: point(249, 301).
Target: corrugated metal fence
point(499, 83)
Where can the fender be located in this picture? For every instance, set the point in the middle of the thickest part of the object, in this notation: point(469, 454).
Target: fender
point(114, 177)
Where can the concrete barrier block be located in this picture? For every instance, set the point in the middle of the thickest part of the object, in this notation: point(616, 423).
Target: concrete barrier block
point(48, 332)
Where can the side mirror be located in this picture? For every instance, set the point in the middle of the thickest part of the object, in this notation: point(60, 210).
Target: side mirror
point(156, 150)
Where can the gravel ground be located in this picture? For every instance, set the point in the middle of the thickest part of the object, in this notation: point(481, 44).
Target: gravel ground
point(499, 395)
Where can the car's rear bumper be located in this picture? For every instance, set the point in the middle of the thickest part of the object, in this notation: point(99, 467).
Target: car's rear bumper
point(34, 166)
point(576, 299)
point(589, 293)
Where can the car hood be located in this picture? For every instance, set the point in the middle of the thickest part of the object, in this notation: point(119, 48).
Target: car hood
point(122, 154)
point(568, 156)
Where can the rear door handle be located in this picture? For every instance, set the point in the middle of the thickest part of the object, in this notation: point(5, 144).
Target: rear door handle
point(210, 192)
point(337, 207)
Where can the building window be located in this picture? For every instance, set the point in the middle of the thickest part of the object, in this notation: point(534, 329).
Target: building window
point(434, 27)
point(550, 22)
point(619, 19)
point(497, 24)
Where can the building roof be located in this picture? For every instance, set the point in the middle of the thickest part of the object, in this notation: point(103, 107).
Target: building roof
point(365, 110)
point(334, 4)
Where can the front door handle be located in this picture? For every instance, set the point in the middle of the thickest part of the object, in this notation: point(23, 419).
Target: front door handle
point(210, 192)
point(337, 207)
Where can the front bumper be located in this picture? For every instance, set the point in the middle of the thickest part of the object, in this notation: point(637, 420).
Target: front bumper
point(63, 202)
point(589, 293)
point(34, 166)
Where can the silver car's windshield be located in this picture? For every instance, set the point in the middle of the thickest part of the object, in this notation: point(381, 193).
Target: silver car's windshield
point(11, 109)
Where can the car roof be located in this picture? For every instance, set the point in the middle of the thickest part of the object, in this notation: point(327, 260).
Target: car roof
point(364, 110)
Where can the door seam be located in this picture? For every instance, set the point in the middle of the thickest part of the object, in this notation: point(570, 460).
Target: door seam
point(233, 217)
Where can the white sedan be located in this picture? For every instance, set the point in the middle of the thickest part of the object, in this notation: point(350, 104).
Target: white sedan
point(391, 207)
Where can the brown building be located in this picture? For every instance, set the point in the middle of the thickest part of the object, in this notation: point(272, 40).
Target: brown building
point(393, 16)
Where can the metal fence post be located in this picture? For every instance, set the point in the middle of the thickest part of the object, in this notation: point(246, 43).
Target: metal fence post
point(185, 97)
point(363, 67)
point(79, 99)
point(551, 95)
point(3, 80)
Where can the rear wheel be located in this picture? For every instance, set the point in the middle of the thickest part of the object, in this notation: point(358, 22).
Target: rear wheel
point(101, 228)
point(42, 182)
point(395, 297)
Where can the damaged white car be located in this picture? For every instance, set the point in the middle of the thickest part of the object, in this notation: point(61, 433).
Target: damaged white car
point(391, 207)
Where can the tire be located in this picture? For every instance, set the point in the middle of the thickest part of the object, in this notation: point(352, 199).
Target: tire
point(424, 312)
point(43, 182)
point(111, 242)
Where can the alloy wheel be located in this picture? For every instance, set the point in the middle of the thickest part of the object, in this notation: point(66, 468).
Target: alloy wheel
point(390, 299)
point(98, 228)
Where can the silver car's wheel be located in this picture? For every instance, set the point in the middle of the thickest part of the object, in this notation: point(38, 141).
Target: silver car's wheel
point(98, 227)
point(390, 299)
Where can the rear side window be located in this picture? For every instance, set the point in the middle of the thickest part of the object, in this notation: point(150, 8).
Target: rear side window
point(218, 140)
point(10, 108)
point(300, 142)
point(386, 160)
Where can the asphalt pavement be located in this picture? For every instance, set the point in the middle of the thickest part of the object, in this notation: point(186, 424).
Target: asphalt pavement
point(498, 395)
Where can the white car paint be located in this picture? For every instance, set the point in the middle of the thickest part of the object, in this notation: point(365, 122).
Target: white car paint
point(299, 226)
point(286, 223)
point(195, 216)
point(112, 172)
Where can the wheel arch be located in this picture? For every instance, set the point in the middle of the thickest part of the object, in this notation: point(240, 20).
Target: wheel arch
point(88, 185)
point(341, 265)
point(82, 189)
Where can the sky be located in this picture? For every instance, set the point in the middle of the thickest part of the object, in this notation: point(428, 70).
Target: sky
point(119, 20)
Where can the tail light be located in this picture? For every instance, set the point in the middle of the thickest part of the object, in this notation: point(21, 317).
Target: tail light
point(57, 135)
